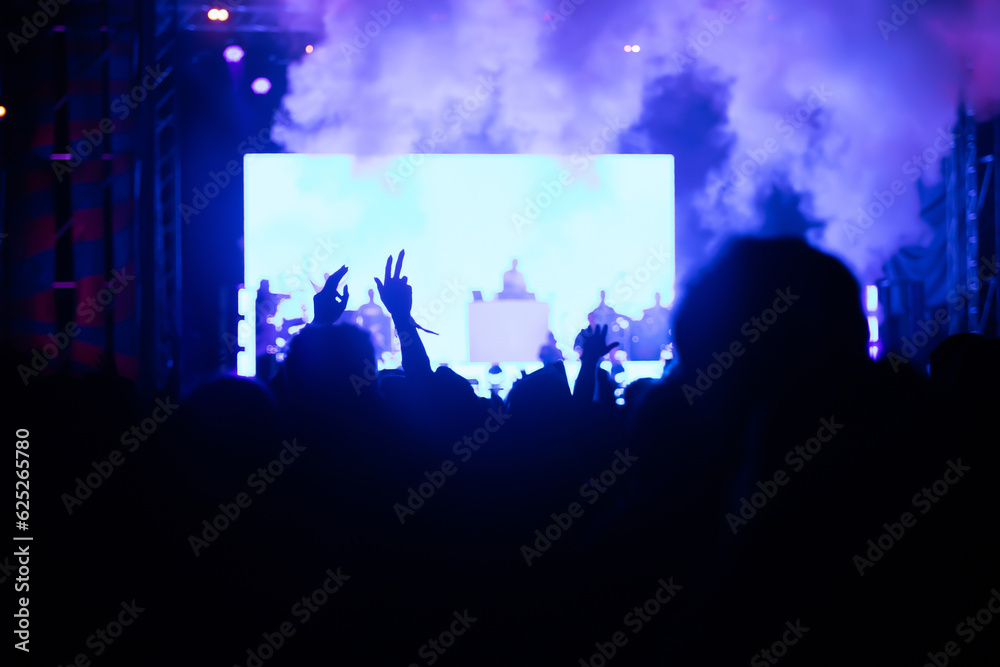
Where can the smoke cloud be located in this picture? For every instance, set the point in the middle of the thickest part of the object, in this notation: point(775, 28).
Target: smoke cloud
point(842, 103)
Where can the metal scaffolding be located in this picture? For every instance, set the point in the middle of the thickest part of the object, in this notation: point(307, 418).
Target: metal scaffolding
point(159, 187)
point(974, 238)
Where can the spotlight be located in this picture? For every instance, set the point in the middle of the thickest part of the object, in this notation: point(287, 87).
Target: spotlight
point(871, 292)
point(627, 48)
point(635, 48)
point(261, 85)
point(223, 14)
point(309, 48)
point(872, 329)
point(3, 111)
point(233, 53)
point(213, 14)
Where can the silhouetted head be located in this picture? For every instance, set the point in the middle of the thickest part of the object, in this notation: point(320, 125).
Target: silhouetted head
point(331, 368)
point(788, 305)
point(371, 296)
point(233, 414)
point(947, 353)
point(602, 296)
point(513, 265)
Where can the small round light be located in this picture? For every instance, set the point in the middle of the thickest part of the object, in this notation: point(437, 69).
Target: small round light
point(635, 48)
point(233, 53)
point(213, 14)
point(3, 111)
point(261, 85)
point(223, 14)
point(309, 48)
point(627, 48)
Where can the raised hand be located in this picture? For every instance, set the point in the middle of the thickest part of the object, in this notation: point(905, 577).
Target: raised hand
point(594, 342)
point(328, 304)
point(396, 294)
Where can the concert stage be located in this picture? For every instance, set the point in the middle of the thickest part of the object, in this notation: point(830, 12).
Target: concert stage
point(572, 223)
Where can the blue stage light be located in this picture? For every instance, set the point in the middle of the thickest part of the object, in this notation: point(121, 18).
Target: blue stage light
point(233, 53)
point(261, 85)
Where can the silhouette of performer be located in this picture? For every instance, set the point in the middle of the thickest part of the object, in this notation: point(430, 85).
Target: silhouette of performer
point(604, 316)
point(375, 321)
point(514, 286)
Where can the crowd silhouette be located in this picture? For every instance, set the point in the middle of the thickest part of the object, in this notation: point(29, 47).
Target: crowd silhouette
point(776, 496)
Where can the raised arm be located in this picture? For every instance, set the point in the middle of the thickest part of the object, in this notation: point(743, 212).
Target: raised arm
point(594, 347)
point(328, 304)
point(397, 296)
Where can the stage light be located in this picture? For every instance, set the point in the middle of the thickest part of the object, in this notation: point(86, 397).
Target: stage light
point(245, 364)
point(309, 48)
point(871, 293)
point(213, 14)
point(635, 48)
point(261, 85)
point(873, 351)
point(3, 111)
point(872, 329)
point(233, 53)
point(223, 14)
point(244, 302)
point(627, 48)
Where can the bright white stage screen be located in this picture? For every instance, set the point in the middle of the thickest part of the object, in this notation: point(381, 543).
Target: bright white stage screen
point(576, 225)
